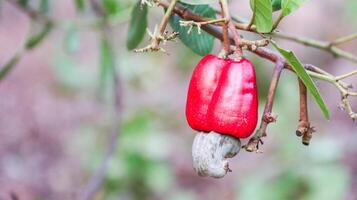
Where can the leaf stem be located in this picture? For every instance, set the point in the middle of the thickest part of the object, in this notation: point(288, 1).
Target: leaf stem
point(163, 24)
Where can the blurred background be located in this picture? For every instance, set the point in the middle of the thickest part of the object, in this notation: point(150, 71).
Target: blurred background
point(56, 114)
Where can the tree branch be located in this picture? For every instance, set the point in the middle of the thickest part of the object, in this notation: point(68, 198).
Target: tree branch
point(217, 32)
point(192, 24)
point(341, 86)
point(304, 119)
point(323, 45)
point(231, 27)
point(267, 117)
point(304, 129)
point(327, 46)
point(97, 179)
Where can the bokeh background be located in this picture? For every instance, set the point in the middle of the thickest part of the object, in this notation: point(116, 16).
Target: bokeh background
point(55, 117)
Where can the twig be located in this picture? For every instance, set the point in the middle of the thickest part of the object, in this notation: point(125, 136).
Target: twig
point(268, 54)
point(304, 129)
point(313, 68)
point(345, 93)
point(242, 24)
point(186, 14)
point(217, 31)
point(346, 105)
point(231, 26)
point(96, 180)
point(323, 45)
point(166, 17)
point(304, 119)
point(267, 117)
point(346, 75)
point(191, 24)
point(159, 34)
point(345, 39)
point(331, 79)
point(226, 43)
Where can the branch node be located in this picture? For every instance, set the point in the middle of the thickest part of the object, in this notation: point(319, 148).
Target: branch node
point(191, 24)
point(345, 105)
point(302, 128)
point(270, 117)
point(156, 38)
point(308, 135)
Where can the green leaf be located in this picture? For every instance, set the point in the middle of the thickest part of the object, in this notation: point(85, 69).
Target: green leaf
point(201, 44)
point(137, 26)
point(262, 15)
point(111, 7)
point(106, 62)
point(33, 41)
point(276, 5)
point(198, 2)
point(289, 6)
point(301, 72)
point(9, 66)
point(80, 5)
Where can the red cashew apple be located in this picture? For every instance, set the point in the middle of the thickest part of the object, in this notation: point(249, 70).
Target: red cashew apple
point(222, 98)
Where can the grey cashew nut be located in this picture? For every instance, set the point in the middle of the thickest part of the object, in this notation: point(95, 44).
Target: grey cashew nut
point(210, 152)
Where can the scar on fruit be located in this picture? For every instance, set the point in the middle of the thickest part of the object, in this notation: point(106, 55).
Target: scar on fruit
point(210, 153)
